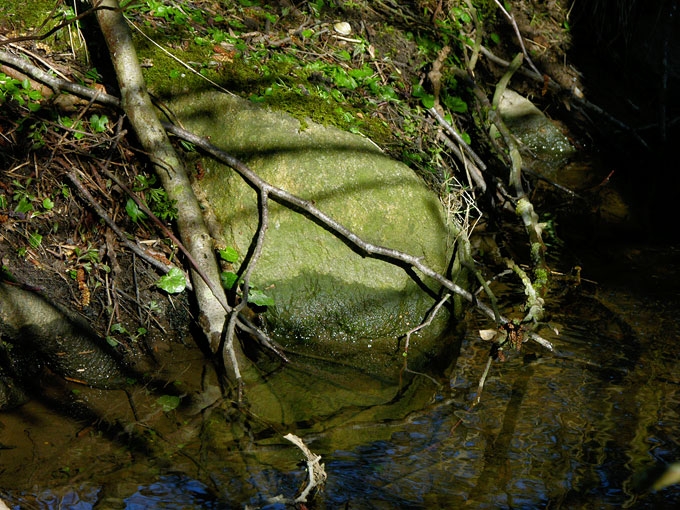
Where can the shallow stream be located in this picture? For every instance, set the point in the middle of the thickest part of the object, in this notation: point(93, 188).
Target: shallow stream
point(572, 429)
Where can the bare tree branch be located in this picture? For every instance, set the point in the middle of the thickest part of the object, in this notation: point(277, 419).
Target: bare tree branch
point(136, 102)
point(392, 256)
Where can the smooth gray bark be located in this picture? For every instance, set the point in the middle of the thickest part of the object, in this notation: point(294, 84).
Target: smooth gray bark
point(172, 174)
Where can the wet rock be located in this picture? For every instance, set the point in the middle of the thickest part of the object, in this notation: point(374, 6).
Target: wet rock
point(67, 345)
point(11, 394)
point(548, 148)
point(329, 299)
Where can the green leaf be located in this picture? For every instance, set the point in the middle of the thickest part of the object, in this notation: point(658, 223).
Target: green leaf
point(228, 279)
point(259, 298)
point(388, 93)
point(419, 90)
point(35, 240)
point(427, 100)
point(229, 254)
point(24, 205)
point(344, 55)
point(168, 402)
point(118, 328)
point(361, 73)
point(455, 104)
point(342, 79)
point(173, 282)
point(99, 123)
point(93, 75)
point(134, 212)
point(48, 204)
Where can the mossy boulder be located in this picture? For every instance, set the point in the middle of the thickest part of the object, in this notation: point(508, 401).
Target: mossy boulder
point(330, 300)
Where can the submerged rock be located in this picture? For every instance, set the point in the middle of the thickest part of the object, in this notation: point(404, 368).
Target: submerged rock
point(330, 300)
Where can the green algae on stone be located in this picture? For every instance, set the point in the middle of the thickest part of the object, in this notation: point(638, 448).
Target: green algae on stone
point(327, 295)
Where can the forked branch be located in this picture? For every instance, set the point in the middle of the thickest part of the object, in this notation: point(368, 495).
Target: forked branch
point(392, 256)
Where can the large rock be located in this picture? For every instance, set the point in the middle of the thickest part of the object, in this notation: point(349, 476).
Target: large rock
point(329, 299)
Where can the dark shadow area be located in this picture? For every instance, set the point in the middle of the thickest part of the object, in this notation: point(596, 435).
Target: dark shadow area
point(628, 53)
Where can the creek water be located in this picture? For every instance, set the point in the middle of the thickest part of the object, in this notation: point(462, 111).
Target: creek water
point(570, 429)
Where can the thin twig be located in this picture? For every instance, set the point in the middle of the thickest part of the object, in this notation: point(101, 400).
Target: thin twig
point(449, 128)
point(482, 380)
point(112, 225)
point(474, 169)
point(511, 18)
point(422, 325)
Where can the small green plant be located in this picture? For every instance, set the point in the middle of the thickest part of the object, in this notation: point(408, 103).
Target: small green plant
point(23, 196)
point(134, 212)
point(425, 97)
point(168, 402)
point(93, 75)
point(229, 280)
point(87, 258)
point(173, 283)
point(122, 330)
point(99, 123)
point(20, 92)
point(229, 254)
point(156, 198)
point(48, 204)
point(35, 240)
point(76, 126)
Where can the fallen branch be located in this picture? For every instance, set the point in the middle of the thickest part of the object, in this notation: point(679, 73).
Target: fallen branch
point(172, 174)
point(389, 255)
point(422, 325)
point(315, 470)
